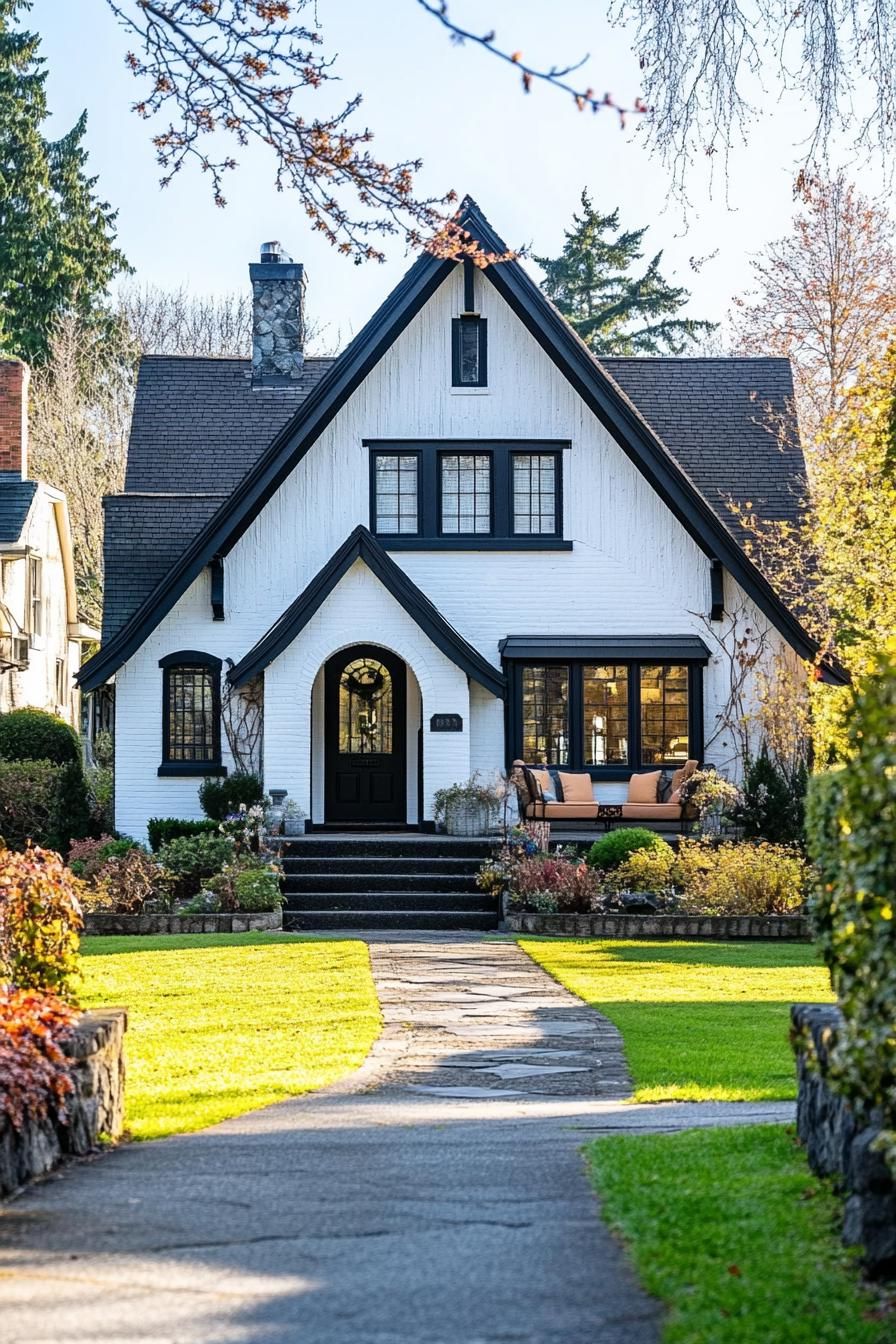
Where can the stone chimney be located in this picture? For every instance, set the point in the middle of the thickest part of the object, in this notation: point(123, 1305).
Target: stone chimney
point(14, 377)
point(278, 288)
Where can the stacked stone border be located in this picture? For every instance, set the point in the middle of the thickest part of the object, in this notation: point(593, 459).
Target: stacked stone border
point(840, 1141)
point(794, 928)
point(95, 1109)
point(100, 924)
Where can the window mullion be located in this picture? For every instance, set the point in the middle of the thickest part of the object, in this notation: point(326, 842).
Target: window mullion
point(575, 730)
point(634, 715)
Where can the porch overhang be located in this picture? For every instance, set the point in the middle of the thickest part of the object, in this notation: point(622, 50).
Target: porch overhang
point(362, 545)
point(607, 648)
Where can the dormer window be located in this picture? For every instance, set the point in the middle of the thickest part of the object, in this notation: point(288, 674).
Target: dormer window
point(468, 351)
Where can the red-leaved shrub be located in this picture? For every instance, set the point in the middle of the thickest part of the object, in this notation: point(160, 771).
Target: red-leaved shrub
point(40, 915)
point(33, 1069)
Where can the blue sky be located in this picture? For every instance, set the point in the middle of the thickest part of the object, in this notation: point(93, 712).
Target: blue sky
point(525, 159)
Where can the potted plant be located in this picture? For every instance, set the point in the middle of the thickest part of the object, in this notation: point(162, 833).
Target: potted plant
point(470, 808)
point(293, 818)
point(712, 796)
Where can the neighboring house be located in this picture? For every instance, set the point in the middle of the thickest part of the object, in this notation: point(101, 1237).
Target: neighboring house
point(40, 634)
point(461, 541)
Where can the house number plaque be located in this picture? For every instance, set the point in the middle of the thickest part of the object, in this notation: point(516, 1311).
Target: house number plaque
point(446, 723)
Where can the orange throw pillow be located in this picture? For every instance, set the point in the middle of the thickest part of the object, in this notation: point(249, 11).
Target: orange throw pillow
point(542, 779)
point(644, 788)
point(576, 788)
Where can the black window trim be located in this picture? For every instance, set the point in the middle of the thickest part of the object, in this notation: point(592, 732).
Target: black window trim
point(191, 658)
point(457, 324)
point(575, 711)
point(429, 535)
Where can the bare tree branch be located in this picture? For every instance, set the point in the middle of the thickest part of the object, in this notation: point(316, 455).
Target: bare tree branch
point(240, 68)
point(556, 76)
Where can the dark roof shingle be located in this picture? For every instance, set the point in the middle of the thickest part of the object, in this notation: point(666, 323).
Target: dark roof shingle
point(15, 501)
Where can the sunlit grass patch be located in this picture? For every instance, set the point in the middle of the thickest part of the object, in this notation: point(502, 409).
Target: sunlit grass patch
point(222, 1023)
point(700, 1021)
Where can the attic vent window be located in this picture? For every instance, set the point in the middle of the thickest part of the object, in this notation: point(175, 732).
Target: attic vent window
point(468, 351)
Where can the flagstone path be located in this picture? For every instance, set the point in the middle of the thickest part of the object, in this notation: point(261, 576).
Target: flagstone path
point(437, 1196)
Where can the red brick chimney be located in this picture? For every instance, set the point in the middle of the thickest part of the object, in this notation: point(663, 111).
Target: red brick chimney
point(14, 377)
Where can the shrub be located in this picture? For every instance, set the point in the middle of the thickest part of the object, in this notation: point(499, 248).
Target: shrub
point(258, 889)
point(35, 1073)
point(853, 840)
point(163, 829)
point(35, 735)
point(86, 857)
point(646, 870)
point(191, 859)
point(220, 798)
point(40, 915)
point(772, 801)
point(29, 798)
point(824, 801)
point(570, 883)
point(101, 798)
point(740, 879)
point(615, 847)
point(126, 881)
point(72, 819)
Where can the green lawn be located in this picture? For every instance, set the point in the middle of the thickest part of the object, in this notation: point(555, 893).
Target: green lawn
point(732, 1232)
point(700, 1021)
point(222, 1023)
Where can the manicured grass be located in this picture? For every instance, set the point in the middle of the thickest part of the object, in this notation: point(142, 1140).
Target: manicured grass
point(700, 1021)
point(732, 1232)
point(222, 1023)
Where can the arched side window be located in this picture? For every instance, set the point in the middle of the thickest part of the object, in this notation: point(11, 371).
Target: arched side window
point(191, 714)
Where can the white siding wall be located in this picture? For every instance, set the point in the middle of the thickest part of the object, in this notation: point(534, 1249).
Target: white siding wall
point(35, 685)
point(633, 568)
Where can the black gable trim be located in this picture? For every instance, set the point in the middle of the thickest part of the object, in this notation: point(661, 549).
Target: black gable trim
point(593, 383)
point(362, 545)
point(275, 464)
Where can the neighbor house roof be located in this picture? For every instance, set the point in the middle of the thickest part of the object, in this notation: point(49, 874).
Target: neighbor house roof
point(267, 445)
point(15, 501)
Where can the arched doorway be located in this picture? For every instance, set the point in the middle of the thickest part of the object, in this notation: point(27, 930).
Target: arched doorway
point(365, 776)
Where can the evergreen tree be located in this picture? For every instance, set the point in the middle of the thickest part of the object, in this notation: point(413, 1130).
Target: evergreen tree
point(614, 311)
point(57, 250)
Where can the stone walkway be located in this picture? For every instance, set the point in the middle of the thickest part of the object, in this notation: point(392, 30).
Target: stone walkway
point(437, 1196)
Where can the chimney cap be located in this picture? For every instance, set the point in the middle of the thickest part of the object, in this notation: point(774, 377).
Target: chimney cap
point(274, 252)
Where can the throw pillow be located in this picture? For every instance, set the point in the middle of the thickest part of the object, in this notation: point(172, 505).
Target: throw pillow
point(543, 780)
point(644, 788)
point(577, 788)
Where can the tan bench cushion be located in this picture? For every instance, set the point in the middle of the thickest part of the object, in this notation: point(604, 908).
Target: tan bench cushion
point(644, 788)
point(562, 811)
point(651, 811)
point(576, 788)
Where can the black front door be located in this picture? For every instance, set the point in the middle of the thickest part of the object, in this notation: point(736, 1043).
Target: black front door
point(364, 733)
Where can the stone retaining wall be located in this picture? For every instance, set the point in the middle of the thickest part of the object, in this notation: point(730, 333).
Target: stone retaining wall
point(839, 1141)
point(791, 927)
point(95, 1108)
point(231, 923)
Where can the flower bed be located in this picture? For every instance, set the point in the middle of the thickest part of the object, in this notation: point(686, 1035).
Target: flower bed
point(634, 872)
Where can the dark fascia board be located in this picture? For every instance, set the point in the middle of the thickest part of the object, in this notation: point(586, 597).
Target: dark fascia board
point(362, 545)
point(604, 397)
point(607, 648)
point(275, 464)
point(593, 384)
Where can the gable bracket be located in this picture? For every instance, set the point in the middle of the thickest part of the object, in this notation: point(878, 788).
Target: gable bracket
point(217, 572)
point(716, 590)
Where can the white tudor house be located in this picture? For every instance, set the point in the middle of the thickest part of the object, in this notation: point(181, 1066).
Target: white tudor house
point(40, 633)
point(461, 541)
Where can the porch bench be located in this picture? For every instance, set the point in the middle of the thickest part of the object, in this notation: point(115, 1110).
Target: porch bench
point(536, 788)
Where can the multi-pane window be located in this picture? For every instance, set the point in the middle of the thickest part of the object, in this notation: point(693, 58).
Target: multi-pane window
point(534, 493)
point(61, 683)
point(396, 493)
point(664, 713)
point(606, 715)
point(468, 353)
point(605, 711)
point(466, 494)
point(365, 708)
point(35, 596)
point(192, 729)
point(545, 706)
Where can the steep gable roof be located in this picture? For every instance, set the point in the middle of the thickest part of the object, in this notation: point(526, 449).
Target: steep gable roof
point(594, 384)
point(16, 497)
point(362, 545)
